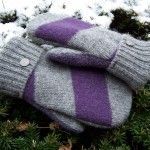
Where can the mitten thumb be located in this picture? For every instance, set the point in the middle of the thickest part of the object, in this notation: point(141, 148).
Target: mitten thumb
point(76, 58)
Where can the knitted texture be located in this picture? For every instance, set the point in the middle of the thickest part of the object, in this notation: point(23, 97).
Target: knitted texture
point(122, 55)
point(87, 95)
point(13, 77)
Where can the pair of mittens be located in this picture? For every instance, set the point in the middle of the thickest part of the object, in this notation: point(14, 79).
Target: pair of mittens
point(74, 96)
point(121, 55)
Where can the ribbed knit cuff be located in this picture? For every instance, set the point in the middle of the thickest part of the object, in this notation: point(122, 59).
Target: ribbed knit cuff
point(132, 62)
point(17, 60)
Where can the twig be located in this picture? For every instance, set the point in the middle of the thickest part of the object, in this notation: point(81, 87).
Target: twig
point(49, 128)
point(3, 4)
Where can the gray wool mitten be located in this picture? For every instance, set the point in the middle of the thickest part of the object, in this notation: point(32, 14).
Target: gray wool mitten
point(7, 59)
point(121, 55)
point(89, 96)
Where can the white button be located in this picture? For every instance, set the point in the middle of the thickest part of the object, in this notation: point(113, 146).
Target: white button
point(24, 62)
point(129, 43)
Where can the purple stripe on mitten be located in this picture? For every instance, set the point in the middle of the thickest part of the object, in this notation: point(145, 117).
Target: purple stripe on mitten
point(61, 31)
point(91, 96)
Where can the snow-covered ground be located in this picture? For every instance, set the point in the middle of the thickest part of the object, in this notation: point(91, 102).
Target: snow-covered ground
point(88, 9)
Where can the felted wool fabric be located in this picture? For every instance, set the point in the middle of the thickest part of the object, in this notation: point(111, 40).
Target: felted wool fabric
point(12, 75)
point(121, 55)
point(90, 96)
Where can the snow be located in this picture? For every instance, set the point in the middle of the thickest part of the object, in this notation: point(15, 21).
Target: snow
point(88, 9)
point(9, 30)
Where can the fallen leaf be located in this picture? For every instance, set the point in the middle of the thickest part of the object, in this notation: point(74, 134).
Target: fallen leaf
point(22, 126)
point(67, 146)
